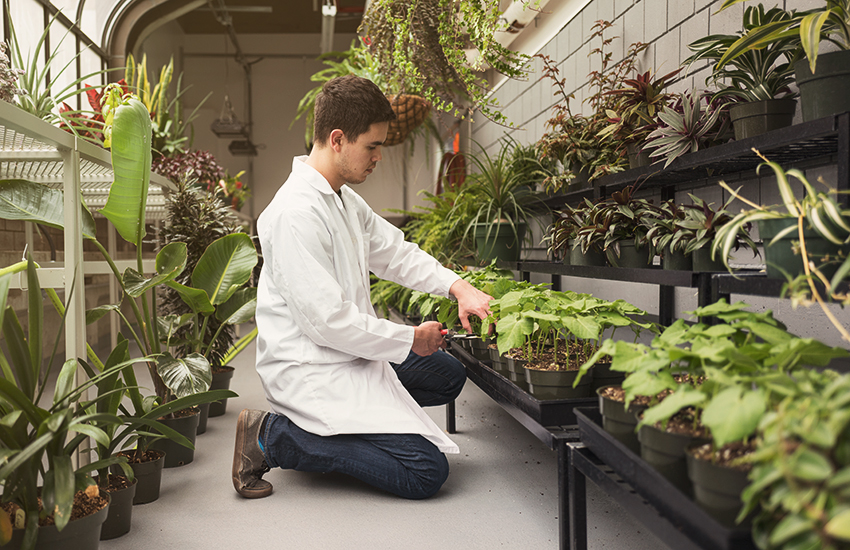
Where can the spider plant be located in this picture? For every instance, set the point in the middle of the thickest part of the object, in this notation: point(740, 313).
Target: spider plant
point(757, 74)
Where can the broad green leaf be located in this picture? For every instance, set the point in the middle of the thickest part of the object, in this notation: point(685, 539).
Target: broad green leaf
point(582, 326)
point(790, 526)
point(189, 375)
point(239, 308)
point(733, 414)
point(225, 266)
point(29, 201)
point(170, 262)
point(96, 313)
point(131, 162)
point(197, 299)
point(63, 486)
point(672, 404)
point(839, 525)
point(810, 465)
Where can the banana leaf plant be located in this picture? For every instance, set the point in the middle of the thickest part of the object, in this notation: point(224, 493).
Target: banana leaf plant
point(218, 291)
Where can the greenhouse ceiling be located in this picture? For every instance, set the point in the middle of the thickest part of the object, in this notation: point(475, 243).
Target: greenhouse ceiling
point(108, 27)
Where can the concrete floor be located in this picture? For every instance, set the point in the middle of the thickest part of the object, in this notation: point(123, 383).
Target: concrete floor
point(501, 493)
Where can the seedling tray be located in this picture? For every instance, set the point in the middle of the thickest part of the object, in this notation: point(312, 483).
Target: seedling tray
point(677, 508)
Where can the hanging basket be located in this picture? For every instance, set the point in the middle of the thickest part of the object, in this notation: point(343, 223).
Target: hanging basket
point(411, 111)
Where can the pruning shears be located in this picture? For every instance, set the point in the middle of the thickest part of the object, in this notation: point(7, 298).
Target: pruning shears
point(451, 335)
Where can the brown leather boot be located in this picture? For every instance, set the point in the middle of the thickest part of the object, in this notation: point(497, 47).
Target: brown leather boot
point(249, 463)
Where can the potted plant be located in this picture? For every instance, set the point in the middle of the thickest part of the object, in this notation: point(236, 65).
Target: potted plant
point(799, 459)
point(635, 114)
point(198, 218)
point(667, 237)
point(758, 79)
point(814, 223)
point(502, 201)
point(39, 439)
point(823, 78)
point(623, 220)
point(588, 244)
point(695, 121)
point(699, 228)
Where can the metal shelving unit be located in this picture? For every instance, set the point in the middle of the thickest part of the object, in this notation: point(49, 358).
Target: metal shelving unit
point(32, 149)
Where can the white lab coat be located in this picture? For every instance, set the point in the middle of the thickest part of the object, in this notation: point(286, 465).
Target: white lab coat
point(322, 353)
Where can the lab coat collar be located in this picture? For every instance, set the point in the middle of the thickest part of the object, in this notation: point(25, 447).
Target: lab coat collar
point(311, 175)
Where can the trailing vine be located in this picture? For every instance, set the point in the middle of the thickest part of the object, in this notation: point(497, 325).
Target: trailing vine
point(420, 45)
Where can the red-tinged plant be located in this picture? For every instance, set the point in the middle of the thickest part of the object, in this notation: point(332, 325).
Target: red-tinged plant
point(88, 126)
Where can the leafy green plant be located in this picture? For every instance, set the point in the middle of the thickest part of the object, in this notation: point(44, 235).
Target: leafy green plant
point(421, 46)
point(38, 440)
point(817, 210)
point(169, 126)
point(801, 468)
point(757, 74)
point(623, 218)
point(740, 361)
point(497, 191)
point(808, 28)
point(663, 232)
point(694, 122)
point(701, 224)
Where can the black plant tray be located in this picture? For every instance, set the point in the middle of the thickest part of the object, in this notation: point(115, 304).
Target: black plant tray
point(555, 412)
point(671, 503)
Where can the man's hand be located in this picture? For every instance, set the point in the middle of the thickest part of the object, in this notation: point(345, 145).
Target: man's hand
point(427, 338)
point(470, 301)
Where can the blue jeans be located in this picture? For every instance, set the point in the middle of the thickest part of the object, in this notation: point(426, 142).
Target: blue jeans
point(407, 465)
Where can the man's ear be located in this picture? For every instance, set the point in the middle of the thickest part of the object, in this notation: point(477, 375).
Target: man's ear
point(336, 139)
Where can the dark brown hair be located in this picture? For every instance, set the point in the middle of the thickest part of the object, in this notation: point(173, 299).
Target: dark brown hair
point(351, 104)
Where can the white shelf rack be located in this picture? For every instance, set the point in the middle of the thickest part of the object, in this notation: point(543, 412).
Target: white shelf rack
point(33, 149)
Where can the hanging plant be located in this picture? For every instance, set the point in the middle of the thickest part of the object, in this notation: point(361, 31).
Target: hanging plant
point(422, 45)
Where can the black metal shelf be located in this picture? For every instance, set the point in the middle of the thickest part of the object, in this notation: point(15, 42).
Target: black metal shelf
point(681, 524)
point(648, 275)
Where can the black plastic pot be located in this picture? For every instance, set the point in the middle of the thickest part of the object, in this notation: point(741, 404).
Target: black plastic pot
point(148, 477)
point(678, 261)
point(221, 381)
point(202, 418)
point(516, 372)
point(630, 256)
point(80, 534)
point(824, 93)
point(497, 241)
point(665, 452)
point(603, 376)
point(759, 117)
point(618, 421)
point(592, 258)
point(717, 489)
point(702, 261)
point(479, 348)
point(120, 516)
point(780, 258)
point(176, 454)
point(637, 158)
point(554, 384)
point(499, 362)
